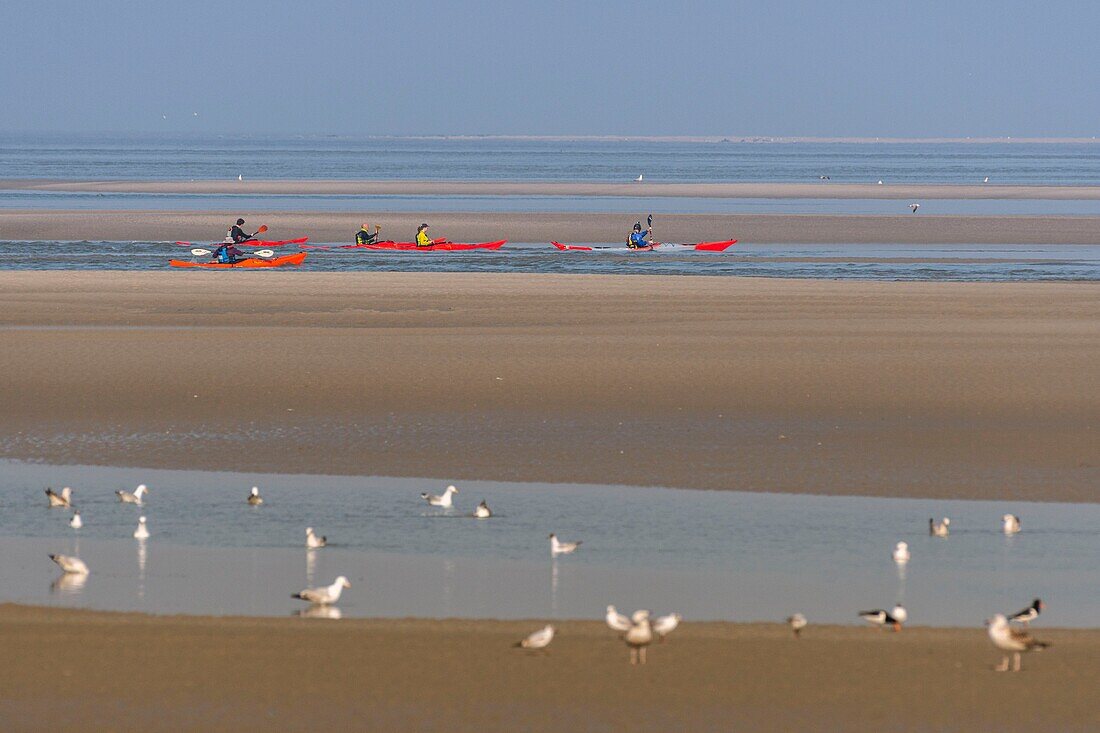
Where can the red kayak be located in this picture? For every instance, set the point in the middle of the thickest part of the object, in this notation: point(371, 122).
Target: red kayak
point(698, 247)
point(256, 243)
point(439, 245)
point(294, 259)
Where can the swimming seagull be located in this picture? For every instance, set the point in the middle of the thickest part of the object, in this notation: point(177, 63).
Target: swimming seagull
point(76, 522)
point(482, 511)
point(824, 178)
point(1029, 614)
point(538, 640)
point(881, 617)
point(986, 180)
point(70, 564)
point(1008, 639)
point(445, 500)
point(142, 531)
point(313, 541)
point(797, 622)
point(914, 207)
point(62, 498)
point(557, 547)
point(324, 595)
point(254, 497)
point(901, 553)
point(639, 636)
point(1011, 524)
point(939, 529)
point(135, 498)
point(617, 621)
point(665, 625)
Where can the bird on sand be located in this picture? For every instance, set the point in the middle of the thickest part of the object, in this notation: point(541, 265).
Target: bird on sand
point(617, 621)
point(665, 625)
point(1008, 639)
point(326, 594)
point(1029, 614)
point(797, 622)
point(538, 640)
point(445, 500)
point(639, 636)
point(884, 618)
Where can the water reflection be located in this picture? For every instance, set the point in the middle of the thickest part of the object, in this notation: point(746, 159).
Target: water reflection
point(69, 584)
point(311, 566)
point(326, 612)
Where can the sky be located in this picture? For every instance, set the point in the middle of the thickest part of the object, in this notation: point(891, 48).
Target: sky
point(814, 68)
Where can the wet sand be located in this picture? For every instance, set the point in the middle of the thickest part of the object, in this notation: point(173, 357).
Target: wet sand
point(207, 226)
point(79, 670)
point(894, 389)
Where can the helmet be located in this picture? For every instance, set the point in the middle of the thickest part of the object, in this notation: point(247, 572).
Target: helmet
point(423, 226)
point(638, 226)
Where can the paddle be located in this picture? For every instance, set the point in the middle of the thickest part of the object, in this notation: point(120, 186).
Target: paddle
point(199, 252)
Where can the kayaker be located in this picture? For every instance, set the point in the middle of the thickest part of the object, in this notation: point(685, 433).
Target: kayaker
point(364, 235)
point(422, 238)
point(228, 254)
point(236, 235)
point(637, 238)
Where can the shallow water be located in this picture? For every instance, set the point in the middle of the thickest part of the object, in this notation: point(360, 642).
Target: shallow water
point(710, 555)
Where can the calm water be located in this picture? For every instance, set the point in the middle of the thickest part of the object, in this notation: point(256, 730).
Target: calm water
point(868, 262)
point(710, 555)
point(157, 157)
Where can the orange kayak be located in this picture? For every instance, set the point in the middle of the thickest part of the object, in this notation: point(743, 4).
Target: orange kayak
point(294, 259)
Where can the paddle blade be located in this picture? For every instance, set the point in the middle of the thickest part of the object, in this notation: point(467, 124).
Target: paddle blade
point(262, 229)
point(263, 253)
point(199, 252)
point(649, 221)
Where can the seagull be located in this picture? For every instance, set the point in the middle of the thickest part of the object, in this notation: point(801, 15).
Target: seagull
point(616, 621)
point(557, 547)
point(135, 498)
point(901, 553)
point(638, 636)
point(313, 541)
point(70, 564)
point(824, 178)
point(326, 594)
point(240, 176)
point(914, 207)
point(76, 522)
point(986, 180)
point(1011, 524)
point(483, 511)
point(797, 622)
point(1008, 639)
point(64, 498)
point(665, 625)
point(939, 529)
point(1029, 614)
point(254, 497)
point(445, 500)
point(142, 532)
point(880, 617)
point(880, 183)
point(639, 178)
point(538, 640)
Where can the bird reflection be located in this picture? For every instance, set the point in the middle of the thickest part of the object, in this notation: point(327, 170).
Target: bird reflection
point(554, 586)
point(69, 584)
point(142, 556)
point(329, 612)
point(311, 566)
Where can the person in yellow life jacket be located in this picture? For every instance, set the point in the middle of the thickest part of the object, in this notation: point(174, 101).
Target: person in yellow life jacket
point(422, 238)
point(364, 235)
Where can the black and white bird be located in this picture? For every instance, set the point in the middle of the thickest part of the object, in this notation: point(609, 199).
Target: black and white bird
point(1008, 639)
point(824, 178)
point(1010, 524)
point(557, 547)
point(326, 594)
point(313, 541)
point(63, 498)
point(445, 500)
point(134, 497)
point(914, 207)
point(884, 618)
point(537, 640)
point(70, 564)
point(254, 498)
point(1029, 614)
point(617, 621)
point(797, 622)
point(939, 529)
point(483, 511)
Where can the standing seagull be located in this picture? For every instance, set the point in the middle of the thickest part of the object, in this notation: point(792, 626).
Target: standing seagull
point(939, 529)
point(1011, 524)
point(986, 180)
point(142, 531)
point(538, 640)
point(445, 500)
point(616, 621)
point(326, 594)
point(665, 625)
point(1008, 639)
point(313, 541)
point(883, 618)
point(638, 636)
point(63, 498)
point(254, 497)
point(557, 547)
point(132, 498)
point(914, 207)
point(1029, 614)
point(901, 553)
point(639, 178)
point(483, 511)
point(70, 564)
point(76, 522)
point(797, 622)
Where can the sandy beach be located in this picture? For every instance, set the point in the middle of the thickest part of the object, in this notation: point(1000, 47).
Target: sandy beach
point(121, 672)
point(893, 389)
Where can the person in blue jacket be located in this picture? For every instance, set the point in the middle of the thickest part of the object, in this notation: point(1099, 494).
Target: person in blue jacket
point(637, 238)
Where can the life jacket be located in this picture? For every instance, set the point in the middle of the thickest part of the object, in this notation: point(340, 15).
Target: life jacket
point(221, 254)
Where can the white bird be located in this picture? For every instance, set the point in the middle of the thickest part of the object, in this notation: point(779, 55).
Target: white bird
point(1008, 639)
point(483, 511)
point(797, 622)
point(142, 531)
point(914, 207)
point(240, 176)
point(639, 178)
point(254, 497)
point(881, 617)
point(1029, 614)
point(62, 498)
point(639, 636)
point(539, 639)
point(665, 625)
point(616, 621)
point(939, 529)
point(986, 180)
point(326, 594)
point(76, 522)
point(1011, 524)
point(901, 553)
point(824, 178)
point(557, 547)
point(445, 500)
point(70, 564)
point(135, 498)
point(313, 541)
point(880, 183)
